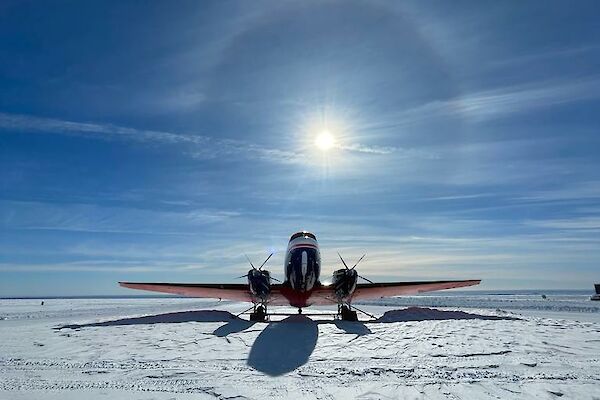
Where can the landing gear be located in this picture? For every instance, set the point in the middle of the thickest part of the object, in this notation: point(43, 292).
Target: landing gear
point(299, 311)
point(259, 314)
point(346, 313)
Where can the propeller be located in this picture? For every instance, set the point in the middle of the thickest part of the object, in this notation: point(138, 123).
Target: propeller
point(354, 266)
point(264, 262)
point(250, 261)
point(259, 268)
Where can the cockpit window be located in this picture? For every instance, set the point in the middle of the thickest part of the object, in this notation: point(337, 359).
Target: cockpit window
point(302, 234)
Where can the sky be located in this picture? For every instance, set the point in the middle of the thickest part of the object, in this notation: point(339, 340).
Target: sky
point(162, 141)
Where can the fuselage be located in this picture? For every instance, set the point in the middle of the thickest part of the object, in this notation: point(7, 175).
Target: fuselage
point(302, 267)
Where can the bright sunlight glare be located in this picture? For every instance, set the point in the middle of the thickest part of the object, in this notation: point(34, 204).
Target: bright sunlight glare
point(324, 141)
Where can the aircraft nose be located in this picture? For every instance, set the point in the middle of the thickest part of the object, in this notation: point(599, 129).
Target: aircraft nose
point(304, 276)
point(303, 269)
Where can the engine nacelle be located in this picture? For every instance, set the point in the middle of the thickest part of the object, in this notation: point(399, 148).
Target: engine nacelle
point(344, 283)
point(260, 283)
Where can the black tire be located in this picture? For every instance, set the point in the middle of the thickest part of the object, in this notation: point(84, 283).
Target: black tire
point(259, 315)
point(348, 315)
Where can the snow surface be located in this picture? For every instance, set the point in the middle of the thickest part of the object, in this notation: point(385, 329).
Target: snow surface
point(466, 347)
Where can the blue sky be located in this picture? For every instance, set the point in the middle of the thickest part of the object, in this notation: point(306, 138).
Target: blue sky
point(162, 141)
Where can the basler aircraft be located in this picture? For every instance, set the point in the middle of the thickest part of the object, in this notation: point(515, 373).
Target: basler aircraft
point(301, 287)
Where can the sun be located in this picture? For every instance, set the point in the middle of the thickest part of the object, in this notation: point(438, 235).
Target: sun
point(324, 141)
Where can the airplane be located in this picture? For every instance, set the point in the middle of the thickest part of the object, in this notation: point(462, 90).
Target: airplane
point(301, 287)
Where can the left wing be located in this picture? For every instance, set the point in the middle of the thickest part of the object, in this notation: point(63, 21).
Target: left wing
point(387, 289)
point(325, 294)
point(226, 291)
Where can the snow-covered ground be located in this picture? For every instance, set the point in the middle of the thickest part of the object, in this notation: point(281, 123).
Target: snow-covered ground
point(440, 346)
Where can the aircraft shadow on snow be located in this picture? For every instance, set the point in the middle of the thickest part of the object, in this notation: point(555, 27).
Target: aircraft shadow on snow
point(285, 345)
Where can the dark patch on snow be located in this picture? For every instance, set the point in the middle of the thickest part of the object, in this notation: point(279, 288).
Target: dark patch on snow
point(353, 327)
point(492, 353)
point(168, 318)
point(429, 314)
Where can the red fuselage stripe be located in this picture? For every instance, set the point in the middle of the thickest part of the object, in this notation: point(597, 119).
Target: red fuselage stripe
point(312, 246)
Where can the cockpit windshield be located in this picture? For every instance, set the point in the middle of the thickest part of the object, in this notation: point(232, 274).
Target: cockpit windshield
point(302, 234)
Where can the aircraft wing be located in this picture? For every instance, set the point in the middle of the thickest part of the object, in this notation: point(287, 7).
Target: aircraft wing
point(325, 294)
point(226, 291)
point(366, 291)
point(280, 294)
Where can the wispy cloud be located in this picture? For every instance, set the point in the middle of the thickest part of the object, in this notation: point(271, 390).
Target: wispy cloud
point(524, 98)
point(572, 191)
point(546, 56)
point(495, 103)
point(121, 266)
point(204, 147)
point(40, 216)
point(383, 150)
point(580, 223)
point(359, 148)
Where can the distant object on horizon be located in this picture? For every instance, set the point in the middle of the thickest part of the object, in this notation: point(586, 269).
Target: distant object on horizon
point(597, 295)
point(301, 286)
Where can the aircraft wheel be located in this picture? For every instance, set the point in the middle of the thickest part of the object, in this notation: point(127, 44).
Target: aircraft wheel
point(347, 314)
point(259, 315)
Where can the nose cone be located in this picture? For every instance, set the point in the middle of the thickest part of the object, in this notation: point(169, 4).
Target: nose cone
point(303, 269)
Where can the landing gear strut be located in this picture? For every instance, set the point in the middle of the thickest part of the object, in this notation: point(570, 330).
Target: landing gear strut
point(346, 313)
point(259, 314)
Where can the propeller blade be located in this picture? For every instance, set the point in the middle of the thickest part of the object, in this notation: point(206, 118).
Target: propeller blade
point(276, 280)
point(261, 265)
point(243, 276)
point(253, 267)
point(343, 262)
point(368, 280)
point(359, 260)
